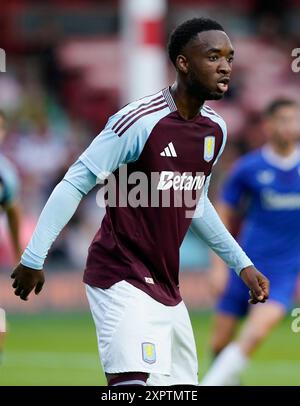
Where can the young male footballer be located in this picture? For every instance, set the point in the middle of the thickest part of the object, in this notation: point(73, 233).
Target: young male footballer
point(169, 142)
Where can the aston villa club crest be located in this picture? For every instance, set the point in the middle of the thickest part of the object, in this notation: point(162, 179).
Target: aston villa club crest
point(209, 148)
point(149, 353)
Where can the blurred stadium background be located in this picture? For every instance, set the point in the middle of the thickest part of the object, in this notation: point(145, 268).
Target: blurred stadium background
point(69, 65)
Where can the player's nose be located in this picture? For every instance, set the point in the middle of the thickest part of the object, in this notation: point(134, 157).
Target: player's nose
point(224, 67)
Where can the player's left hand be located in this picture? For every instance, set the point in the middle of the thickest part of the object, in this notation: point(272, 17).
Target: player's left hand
point(258, 284)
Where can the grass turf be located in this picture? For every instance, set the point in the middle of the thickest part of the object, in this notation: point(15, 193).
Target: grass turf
point(61, 349)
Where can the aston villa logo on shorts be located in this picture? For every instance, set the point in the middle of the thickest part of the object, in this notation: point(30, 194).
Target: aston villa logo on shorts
point(209, 148)
point(149, 353)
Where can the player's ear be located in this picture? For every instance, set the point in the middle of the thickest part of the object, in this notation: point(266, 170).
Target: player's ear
point(182, 64)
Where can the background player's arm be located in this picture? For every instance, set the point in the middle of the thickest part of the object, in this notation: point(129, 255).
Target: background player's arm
point(228, 214)
point(10, 204)
point(13, 212)
point(210, 228)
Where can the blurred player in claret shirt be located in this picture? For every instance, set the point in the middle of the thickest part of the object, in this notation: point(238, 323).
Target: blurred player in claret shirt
point(264, 186)
point(143, 328)
point(9, 185)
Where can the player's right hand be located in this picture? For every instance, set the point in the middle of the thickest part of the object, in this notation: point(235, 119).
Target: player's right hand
point(26, 279)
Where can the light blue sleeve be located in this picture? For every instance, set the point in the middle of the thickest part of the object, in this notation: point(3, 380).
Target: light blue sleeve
point(81, 177)
point(57, 212)
point(108, 151)
point(208, 226)
point(105, 154)
point(124, 137)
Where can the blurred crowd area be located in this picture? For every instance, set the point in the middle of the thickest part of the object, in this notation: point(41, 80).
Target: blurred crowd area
point(64, 78)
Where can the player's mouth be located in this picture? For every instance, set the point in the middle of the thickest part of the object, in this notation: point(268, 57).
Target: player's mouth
point(222, 84)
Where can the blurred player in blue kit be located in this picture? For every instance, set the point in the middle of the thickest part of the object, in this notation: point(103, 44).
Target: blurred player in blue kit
point(9, 186)
point(264, 188)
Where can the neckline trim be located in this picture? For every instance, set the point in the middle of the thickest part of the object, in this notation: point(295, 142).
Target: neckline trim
point(283, 163)
point(169, 99)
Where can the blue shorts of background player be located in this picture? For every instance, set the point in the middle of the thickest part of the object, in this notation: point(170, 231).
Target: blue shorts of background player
point(234, 299)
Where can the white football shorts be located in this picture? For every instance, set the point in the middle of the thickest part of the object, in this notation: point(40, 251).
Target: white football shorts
point(138, 334)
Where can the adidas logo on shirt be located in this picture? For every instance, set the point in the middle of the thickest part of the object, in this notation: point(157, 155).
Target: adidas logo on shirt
point(169, 151)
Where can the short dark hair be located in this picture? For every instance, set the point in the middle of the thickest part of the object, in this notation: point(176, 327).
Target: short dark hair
point(186, 31)
point(275, 105)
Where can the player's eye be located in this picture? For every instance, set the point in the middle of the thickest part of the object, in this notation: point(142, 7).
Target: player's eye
point(230, 59)
point(213, 58)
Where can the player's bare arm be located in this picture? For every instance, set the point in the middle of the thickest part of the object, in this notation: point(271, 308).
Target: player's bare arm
point(13, 212)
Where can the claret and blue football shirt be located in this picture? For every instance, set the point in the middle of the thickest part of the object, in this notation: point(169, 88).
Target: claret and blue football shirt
point(141, 244)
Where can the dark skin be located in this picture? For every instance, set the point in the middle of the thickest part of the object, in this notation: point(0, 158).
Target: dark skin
point(205, 61)
point(203, 73)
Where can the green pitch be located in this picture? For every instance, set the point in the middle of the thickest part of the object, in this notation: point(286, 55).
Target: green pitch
point(60, 349)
